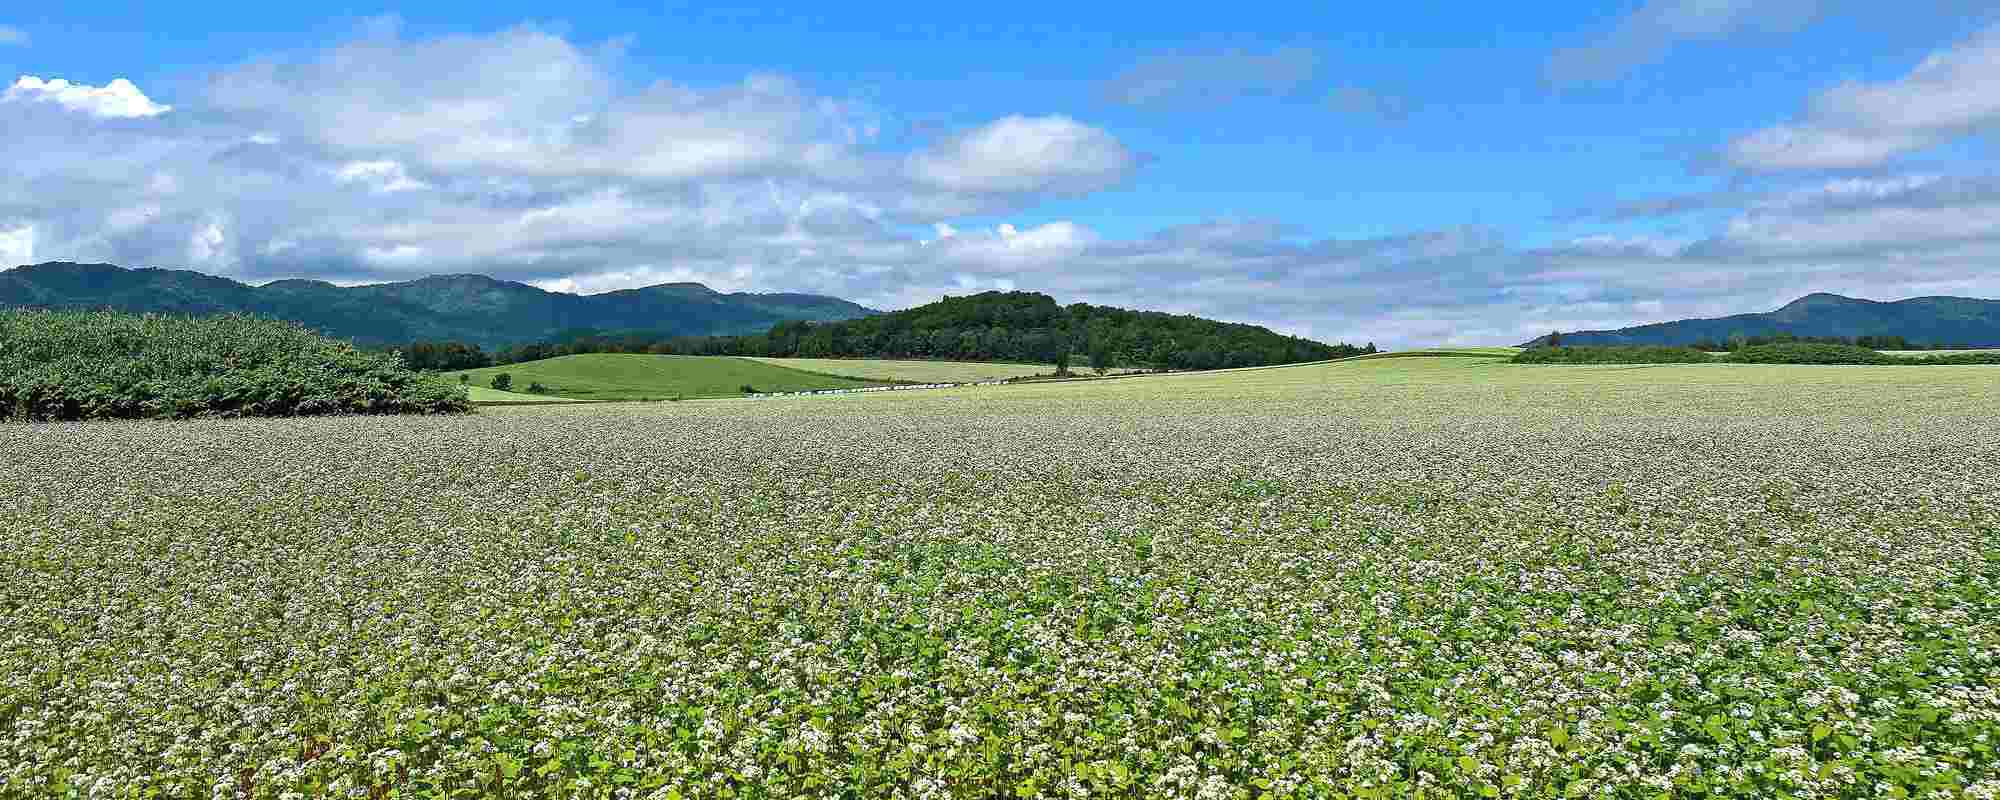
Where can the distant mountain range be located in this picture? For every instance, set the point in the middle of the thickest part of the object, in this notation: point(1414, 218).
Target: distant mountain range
point(467, 308)
point(1921, 320)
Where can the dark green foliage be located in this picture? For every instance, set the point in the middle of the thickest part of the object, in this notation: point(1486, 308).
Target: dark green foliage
point(1790, 352)
point(748, 389)
point(463, 308)
point(1612, 355)
point(501, 381)
point(1811, 353)
point(443, 356)
point(69, 365)
point(1739, 342)
point(993, 326)
point(535, 387)
point(1914, 324)
point(1100, 359)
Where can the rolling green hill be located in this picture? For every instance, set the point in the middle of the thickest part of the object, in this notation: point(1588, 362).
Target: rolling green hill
point(631, 376)
point(1015, 327)
point(1922, 320)
point(468, 308)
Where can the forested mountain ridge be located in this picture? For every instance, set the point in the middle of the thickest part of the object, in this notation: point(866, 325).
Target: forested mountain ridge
point(991, 326)
point(474, 309)
point(1922, 321)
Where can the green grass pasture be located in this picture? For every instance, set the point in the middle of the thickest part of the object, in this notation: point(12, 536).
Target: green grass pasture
point(623, 376)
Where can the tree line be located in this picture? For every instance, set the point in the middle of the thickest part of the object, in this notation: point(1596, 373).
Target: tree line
point(992, 326)
point(1739, 342)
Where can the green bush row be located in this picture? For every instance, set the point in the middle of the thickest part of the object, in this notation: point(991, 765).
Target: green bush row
point(1779, 353)
point(1613, 355)
point(69, 365)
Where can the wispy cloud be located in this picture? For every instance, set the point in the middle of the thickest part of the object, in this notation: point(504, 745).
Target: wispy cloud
point(1646, 35)
point(1217, 76)
point(1364, 102)
point(1951, 94)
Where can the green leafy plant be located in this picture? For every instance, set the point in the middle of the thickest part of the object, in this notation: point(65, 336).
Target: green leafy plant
point(70, 365)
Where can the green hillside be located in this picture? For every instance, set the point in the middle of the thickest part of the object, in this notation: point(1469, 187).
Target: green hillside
point(475, 309)
point(1929, 321)
point(632, 376)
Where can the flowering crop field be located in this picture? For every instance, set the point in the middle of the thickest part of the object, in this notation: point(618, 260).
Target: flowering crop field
point(1442, 577)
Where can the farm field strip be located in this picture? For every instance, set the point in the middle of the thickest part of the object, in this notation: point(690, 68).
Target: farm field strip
point(633, 376)
point(483, 394)
point(917, 371)
point(1363, 578)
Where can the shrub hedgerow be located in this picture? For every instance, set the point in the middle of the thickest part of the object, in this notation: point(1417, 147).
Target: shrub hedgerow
point(1776, 353)
point(1645, 354)
point(70, 365)
point(1812, 353)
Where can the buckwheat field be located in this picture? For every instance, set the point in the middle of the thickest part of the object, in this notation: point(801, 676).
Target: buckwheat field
point(1444, 577)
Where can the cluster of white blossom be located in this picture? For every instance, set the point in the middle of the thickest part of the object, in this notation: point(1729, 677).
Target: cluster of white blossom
point(1286, 583)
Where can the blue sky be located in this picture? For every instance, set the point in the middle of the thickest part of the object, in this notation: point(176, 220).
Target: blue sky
point(1414, 173)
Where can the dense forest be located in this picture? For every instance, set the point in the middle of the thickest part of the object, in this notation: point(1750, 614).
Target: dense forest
point(992, 326)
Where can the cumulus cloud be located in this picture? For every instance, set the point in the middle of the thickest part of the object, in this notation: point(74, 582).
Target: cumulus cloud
point(532, 176)
point(1951, 94)
point(1019, 154)
point(207, 245)
point(1645, 35)
point(12, 35)
point(531, 103)
point(17, 246)
point(1209, 77)
point(117, 99)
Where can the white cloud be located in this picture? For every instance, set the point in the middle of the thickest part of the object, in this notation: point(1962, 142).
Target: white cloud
point(1647, 34)
point(17, 246)
point(1950, 94)
point(529, 102)
point(207, 245)
point(380, 176)
point(266, 179)
point(1024, 154)
point(12, 35)
point(393, 255)
point(117, 99)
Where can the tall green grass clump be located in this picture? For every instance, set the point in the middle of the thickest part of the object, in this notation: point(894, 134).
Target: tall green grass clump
point(1641, 354)
point(70, 365)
